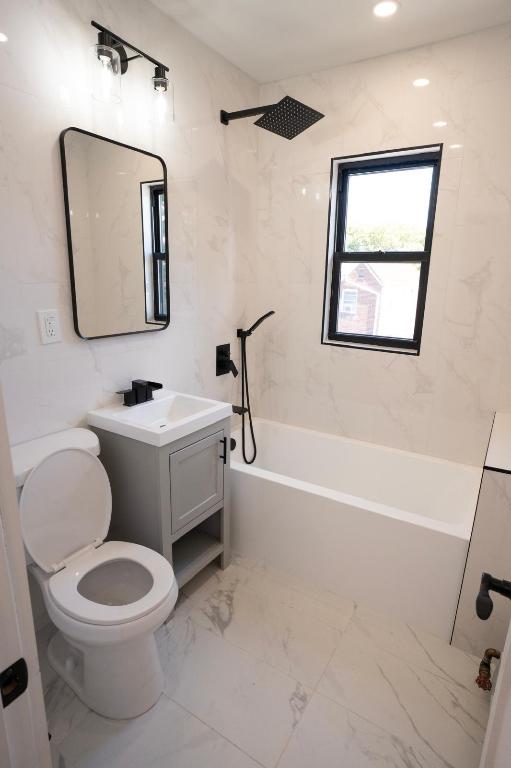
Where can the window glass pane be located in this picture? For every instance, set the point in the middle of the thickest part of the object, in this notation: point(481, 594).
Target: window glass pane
point(161, 215)
point(349, 299)
point(386, 298)
point(160, 295)
point(388, 210)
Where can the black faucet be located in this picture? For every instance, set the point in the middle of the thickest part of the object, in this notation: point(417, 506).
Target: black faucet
point(141, 392)
point(484, 603)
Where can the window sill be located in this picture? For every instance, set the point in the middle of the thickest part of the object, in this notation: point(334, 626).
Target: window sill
point(374, 347)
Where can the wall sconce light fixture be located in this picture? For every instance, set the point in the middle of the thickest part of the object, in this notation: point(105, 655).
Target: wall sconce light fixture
point(111, 62)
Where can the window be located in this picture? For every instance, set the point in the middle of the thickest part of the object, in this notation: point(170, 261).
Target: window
point(159, 251)
point(349, 301)
point(380, 236)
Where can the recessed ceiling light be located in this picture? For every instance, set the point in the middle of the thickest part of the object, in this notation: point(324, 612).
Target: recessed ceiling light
point(455, 146)
point(421, 82)
point(3, 38)
point(439, 124)
point(385, 8)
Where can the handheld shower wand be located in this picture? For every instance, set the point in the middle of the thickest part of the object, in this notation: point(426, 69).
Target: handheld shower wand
point(255, 325)
point(243, 336)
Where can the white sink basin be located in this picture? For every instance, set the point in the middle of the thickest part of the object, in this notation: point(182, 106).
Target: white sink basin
point(168, 417)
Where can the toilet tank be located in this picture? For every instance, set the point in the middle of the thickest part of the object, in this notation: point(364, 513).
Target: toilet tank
point(25, 456)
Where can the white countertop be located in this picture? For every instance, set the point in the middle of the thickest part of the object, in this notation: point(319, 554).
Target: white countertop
point(499, 449)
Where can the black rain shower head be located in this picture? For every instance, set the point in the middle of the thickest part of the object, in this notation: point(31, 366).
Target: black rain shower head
point(287, 118)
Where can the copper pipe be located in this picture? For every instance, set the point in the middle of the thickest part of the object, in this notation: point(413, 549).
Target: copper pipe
point(483, 680)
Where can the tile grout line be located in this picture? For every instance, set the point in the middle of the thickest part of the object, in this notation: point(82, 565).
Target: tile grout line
point(315, 688)
point(207, 725)
point(258, 659)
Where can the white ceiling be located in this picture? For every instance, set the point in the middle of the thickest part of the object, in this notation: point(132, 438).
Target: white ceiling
point(274, 39)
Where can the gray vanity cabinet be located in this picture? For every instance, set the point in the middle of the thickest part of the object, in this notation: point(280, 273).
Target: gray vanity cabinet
point(174, 498)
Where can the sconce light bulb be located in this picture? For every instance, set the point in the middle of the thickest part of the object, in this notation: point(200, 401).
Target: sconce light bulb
point(160, 80)
point(106, 71)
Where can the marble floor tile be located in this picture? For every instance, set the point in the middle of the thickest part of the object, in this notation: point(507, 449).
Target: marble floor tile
point(271, 630)
point(416, 648)
point(212, 578)
point(245, 700)
point(164, 737)
point(308, 588)
point(64, 710)
point(324, 607)
point(330, 736)
point(262, 670)
point(420, 708)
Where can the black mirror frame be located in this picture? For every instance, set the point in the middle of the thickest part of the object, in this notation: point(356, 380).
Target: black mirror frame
point(63, 133)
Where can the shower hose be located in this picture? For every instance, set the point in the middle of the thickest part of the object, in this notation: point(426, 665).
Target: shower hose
point(245, 409)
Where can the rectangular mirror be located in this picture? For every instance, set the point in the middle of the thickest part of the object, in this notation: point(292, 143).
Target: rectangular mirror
point(117, 233)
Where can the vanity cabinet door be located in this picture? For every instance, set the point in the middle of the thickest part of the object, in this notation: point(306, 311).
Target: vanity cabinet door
point(196, 479)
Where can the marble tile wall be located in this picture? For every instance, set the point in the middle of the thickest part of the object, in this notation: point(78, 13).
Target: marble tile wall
point(45, 87)
point(441, 402)
point(248, 225)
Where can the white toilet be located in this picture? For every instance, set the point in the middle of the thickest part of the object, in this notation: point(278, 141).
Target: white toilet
point(106, 598)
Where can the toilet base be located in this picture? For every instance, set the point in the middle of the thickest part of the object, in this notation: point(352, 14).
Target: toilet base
point(119, 681)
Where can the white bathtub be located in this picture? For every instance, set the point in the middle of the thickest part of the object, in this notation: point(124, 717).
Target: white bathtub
point(386, 528)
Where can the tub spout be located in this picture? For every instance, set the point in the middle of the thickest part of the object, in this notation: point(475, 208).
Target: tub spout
point(483, 680)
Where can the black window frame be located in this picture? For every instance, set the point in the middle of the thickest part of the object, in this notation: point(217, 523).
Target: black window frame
point(159, 255)
point(411, 157)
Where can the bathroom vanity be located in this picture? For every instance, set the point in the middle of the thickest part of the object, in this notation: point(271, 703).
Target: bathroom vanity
point(168, 463)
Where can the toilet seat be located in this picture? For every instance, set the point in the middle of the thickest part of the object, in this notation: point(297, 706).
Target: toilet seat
point(65, 507)
point(63, 586)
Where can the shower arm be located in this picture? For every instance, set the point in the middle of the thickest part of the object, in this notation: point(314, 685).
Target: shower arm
point(225, 117)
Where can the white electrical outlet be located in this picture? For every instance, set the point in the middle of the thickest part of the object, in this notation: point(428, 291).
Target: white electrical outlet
point(49, 325)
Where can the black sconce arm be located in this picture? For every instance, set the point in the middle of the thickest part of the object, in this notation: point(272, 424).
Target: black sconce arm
point(119, 41)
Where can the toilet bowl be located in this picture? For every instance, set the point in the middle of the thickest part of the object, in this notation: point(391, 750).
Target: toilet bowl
point(107, 599)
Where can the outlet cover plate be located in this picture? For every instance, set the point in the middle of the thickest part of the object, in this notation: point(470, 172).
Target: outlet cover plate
point(49, 326)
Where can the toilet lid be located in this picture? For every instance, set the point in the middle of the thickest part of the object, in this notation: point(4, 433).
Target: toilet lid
point(65, 505)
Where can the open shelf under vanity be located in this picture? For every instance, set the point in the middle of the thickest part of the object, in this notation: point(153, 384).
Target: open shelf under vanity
point(192, 553)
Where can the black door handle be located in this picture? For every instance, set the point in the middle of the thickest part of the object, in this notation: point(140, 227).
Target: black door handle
point(13, 681)
point(224, 455)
